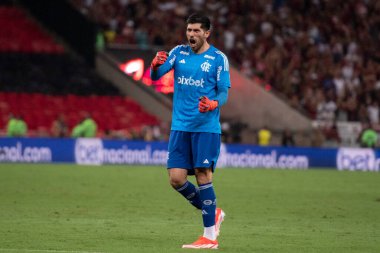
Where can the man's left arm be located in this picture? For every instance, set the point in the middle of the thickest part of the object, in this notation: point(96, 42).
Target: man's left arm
point(223, 84)
point(222, 95)
point(206, 104)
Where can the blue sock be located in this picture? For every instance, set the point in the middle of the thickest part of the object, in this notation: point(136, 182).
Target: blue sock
point(208, 204)
point(191, 193)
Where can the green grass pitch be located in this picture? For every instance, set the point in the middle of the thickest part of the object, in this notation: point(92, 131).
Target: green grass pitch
point(69, 208)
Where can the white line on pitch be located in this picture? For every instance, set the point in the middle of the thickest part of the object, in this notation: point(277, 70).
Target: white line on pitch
point(47, 251)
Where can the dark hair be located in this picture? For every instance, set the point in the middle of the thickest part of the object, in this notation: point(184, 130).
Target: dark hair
point(200, 18)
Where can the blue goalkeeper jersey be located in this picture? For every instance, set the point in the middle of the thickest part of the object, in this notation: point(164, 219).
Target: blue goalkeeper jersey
point(195, 75)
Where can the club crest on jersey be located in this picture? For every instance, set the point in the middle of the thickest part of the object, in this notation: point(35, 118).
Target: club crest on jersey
point(205, 66)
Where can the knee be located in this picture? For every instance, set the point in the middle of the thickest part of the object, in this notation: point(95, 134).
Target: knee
point(203, 180)
point(176, 182)
point(203, 176)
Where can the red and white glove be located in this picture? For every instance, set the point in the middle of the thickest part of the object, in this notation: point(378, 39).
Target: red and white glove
point(206, 105)
point(158, 60)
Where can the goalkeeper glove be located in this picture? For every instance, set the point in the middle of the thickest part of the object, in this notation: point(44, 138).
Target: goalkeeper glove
point(206, 105)
point(158, 60)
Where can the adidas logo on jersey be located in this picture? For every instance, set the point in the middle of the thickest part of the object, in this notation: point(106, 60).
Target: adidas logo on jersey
point(182, 61)
point(206, 161)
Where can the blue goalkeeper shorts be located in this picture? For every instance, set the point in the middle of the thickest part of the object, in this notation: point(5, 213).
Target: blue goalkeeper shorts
point(190, 150)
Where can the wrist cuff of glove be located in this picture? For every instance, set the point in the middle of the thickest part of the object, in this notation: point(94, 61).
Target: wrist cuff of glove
point(214, 104)
point(154, 68)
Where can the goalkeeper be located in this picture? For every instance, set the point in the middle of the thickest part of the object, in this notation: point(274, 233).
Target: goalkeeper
point(201, 83)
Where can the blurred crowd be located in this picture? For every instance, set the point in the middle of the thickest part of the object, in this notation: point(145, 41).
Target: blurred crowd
point(86, 127)
point(321, 56)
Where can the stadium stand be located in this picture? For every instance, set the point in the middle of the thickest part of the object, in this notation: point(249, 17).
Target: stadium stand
point(319, 56)
point(40, 80)
point(18, 34)
point(50, 73)
point(40, 110)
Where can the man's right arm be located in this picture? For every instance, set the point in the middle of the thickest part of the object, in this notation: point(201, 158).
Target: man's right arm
point(162, 64)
